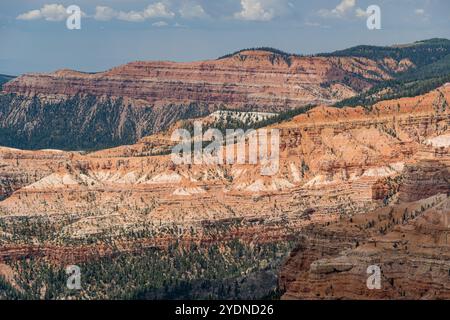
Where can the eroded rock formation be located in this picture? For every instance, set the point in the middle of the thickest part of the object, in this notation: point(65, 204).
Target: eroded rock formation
point(332, 161)
point(408, 240)
point(77, 111)
point(259, 78)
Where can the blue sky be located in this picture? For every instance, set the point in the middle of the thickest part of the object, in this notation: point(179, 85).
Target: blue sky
point(34, 37)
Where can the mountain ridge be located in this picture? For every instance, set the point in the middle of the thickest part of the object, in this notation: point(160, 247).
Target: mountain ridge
point(4, 78)
point(125, 103)
point(346, 174)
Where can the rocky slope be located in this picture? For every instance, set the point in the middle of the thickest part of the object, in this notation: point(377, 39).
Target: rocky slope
point(72, 110)
point(250, 78)
point(328, 166)
point(408, 240)
point(370, 182)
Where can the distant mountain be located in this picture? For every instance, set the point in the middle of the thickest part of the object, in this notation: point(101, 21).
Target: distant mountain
point(5, 78)
point(431, 60)
point(73, 110)
point(263, 49)
point(421, 53)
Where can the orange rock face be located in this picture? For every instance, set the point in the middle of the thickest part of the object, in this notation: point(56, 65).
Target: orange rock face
point(331, 160)
point(66, 109)
point(251, 78)
point(408, 240)
point(364, 187)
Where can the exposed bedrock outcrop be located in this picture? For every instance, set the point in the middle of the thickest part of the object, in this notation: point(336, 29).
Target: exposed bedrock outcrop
point(257, 78)
point(428, 176)
point(332, 162)
point(76, 111)
point(409, 241)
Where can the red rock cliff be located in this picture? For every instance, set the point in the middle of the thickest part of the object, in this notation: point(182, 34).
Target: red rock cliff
point(249, 78)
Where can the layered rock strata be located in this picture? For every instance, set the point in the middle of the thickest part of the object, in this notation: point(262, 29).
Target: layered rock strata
point(83, 111)
point(409, 242)
point(258, 78)
point(332, 162)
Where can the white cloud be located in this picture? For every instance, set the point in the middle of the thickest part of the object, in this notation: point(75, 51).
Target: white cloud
point(419, 12)
point(156, 10)
point(192, 11)
point(423, 14)
point(160, 24)
point(342, 9)
point(54, 12)
point(104, 13)
point(49, 12)
point(131, 16)
point(360, 13)
point(261, 10)
point(30, 15)
point(177, 25)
